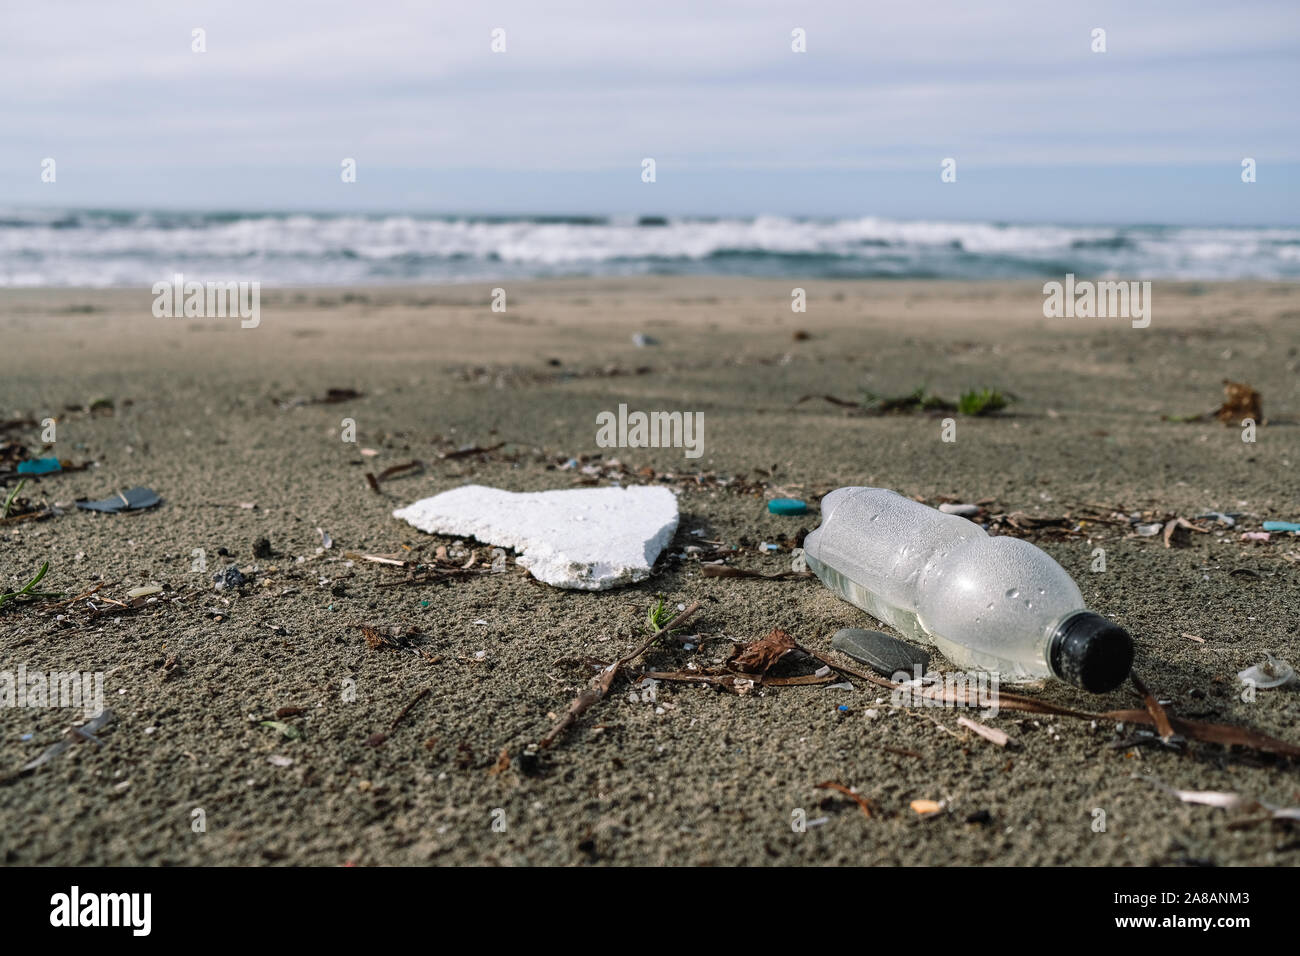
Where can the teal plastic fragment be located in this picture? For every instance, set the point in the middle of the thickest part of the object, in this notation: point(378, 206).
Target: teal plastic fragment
point(1281, 526)
point(39, 466)
point(787, 506)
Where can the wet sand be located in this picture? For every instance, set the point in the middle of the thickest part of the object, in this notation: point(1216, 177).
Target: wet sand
point(204, 413)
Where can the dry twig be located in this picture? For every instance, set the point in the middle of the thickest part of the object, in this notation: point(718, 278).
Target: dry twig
point(602, 682)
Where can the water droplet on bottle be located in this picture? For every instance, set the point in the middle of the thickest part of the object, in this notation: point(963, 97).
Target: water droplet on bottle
point(1013, 593)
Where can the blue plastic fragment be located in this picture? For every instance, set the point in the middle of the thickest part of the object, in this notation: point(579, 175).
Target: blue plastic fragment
point(787, 506)
point(843, 708)
point(1281, 526)
point(39, 466)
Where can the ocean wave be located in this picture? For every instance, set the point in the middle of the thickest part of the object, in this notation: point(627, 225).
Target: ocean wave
point(131, 248)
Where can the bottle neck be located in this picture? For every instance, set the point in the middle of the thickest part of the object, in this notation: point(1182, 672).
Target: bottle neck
point(1053, 635)
point(1090, 651)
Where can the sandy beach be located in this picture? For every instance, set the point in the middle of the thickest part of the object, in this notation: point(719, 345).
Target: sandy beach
point(226, 424)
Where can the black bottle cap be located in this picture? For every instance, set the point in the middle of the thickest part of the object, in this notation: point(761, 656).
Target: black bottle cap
point(1091, 652)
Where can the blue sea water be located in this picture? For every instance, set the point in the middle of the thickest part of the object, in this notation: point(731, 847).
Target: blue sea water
point(107, 248)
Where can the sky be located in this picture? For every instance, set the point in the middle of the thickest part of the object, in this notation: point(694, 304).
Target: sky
point(1041, 127)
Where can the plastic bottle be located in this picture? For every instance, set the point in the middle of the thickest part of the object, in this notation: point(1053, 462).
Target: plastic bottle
point(988, 603)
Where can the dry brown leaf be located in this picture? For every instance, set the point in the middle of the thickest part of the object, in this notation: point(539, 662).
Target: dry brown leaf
point(757, 657)
point(1239, 401)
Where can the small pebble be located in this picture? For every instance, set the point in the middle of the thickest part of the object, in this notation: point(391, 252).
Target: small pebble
point(883, 654)
point(229, 578)
point(966, 511)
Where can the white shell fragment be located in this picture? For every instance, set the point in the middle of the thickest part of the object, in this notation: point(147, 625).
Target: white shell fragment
point(585, 538)
point(1274, 672)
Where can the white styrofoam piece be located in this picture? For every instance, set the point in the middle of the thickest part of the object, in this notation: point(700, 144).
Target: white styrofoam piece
point(585, 538)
